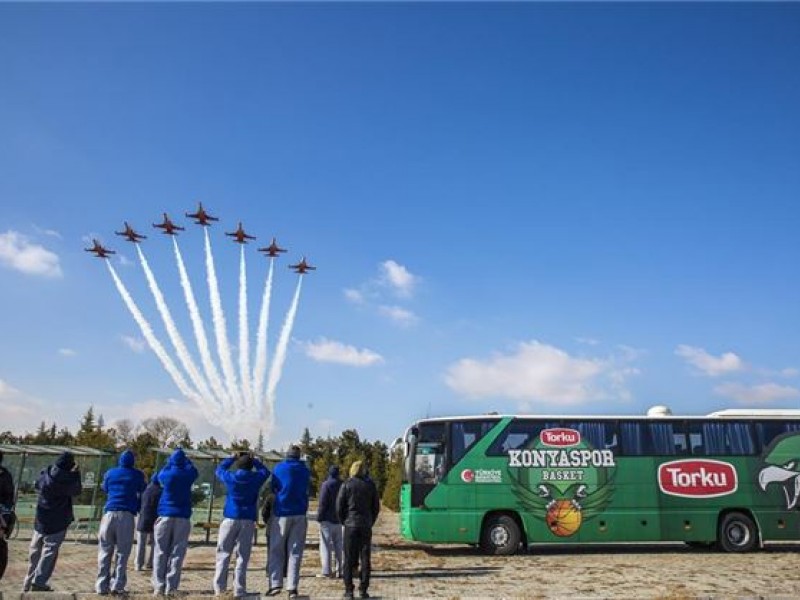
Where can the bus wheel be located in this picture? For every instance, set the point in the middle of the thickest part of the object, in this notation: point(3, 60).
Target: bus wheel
point(500, 535)
point(737, 533)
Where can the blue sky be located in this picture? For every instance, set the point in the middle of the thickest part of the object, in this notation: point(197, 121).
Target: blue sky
point(584, 208)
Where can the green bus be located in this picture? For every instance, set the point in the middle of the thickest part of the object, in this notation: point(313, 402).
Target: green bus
point(729, 479)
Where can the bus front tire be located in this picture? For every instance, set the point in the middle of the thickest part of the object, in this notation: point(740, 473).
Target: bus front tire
point(737, 533)
point(500, 536)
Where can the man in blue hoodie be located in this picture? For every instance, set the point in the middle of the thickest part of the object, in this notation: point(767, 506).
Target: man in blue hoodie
point(290, 481)
point(330, 528)
point(124, 485)
point(173, 525)
point(243, 484)
point(57, 484)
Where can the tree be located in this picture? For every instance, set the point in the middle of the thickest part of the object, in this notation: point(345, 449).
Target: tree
point(210, 444)
point(168, 432)
point(394, 480)
point(91, 435)
point(124, 432)
point(260, 441)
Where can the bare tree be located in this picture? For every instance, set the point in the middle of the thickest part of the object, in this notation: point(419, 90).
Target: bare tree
point(124, 431)
point(168, 431)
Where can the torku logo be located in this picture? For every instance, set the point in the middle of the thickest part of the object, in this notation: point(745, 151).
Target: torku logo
point(697, 478)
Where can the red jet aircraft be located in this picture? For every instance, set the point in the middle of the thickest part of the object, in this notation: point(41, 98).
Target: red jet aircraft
point(273, 249)
point(99, 250)
point(302, 267)
point(169, 228)
point(240, 235)
point(201, 216)
point(130, 235)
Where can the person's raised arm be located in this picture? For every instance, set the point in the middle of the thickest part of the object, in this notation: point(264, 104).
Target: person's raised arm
point(222, 472)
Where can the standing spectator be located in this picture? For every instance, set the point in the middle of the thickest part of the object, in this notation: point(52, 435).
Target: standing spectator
point(239, 522)
point(7, 517)
point(146, 522)
point(57, 484)
point(173, 526)
point(330, 528)
point(287, 538)
point(124, 486)
point(357, 506)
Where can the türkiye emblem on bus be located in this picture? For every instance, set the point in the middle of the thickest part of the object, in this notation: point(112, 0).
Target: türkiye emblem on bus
point(562, 479)
point(782, 468)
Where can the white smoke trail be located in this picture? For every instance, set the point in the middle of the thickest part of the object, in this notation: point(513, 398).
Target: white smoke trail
point(260, 371)
point(220, 330)
point(244, 333)
point(151, 339)
point(280, 351)
point(199, 330)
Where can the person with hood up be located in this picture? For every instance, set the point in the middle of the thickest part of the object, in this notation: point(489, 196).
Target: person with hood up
point(57, 484)
point(357, 506)
point(146, 522)
point(173, 526)
point(243, 484)
point(7, 516)
point(330, 528)
point(124, 485)
point(287, 536)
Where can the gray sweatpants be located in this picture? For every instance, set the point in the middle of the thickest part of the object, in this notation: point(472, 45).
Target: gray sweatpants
point(42, 555)
point(144, 540)
point(330, 547)
point(171, 540)
point(233, 533)
point(287, 540)
point(116, 534)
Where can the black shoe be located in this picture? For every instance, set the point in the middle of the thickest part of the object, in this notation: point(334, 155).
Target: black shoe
point(292, 593)
point(41, 588)
point(363, 594)
point(348, 596)
point(273, 591)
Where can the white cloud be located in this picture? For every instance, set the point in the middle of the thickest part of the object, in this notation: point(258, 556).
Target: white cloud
point(587, 341)
point(354, 296)
point(138, 345)
point(325, 350)
point(47, 232)
point(19, 253)
point(398, 314)
point(757, 394)
point(537, 372)
point(398, 278)
point(708, 364)
point(789, 372)
point(68, 352)
point(21, 412)
point(125, 261)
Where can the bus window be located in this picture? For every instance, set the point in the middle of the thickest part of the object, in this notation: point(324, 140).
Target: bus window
point(429, 463)
point(599, 434)
point(463, 434)
point(725, 438)
point(767, 431)
point(518, 435)
point(652, 438)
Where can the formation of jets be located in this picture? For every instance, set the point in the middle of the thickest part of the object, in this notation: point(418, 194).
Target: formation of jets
point(202, 218)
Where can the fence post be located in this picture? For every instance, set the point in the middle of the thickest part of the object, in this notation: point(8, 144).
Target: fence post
point(211, 498)
point(19, 476)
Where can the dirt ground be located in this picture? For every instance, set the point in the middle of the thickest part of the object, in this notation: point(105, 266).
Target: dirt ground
point(408, 570)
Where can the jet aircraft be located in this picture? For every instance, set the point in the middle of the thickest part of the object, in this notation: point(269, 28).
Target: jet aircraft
point(273, 249)
point(201, 216)
point(302, 267)
point(99, 250)
point(130, 235)
point(169, 228)
point(240, 235)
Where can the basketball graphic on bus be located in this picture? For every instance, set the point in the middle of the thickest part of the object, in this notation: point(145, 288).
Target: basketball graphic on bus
point(564, 517)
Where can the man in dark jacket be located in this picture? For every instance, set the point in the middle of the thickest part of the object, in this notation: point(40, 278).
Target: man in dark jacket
point(287, 536)
point(330, 528)
point(173, 525)
point(146, 522)
point(6, 513)
point(243, 484)
point(57, 484)
point(357, 506)
point(124, 485)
